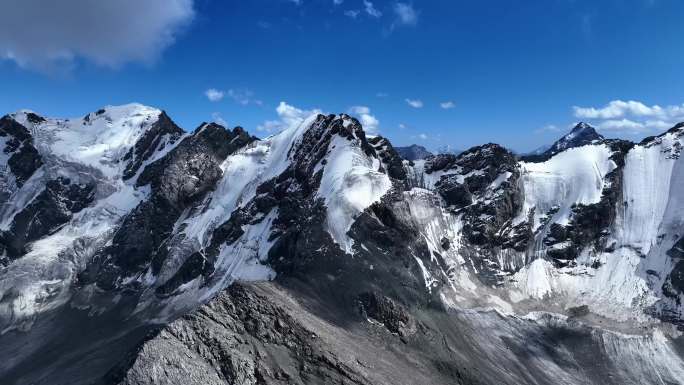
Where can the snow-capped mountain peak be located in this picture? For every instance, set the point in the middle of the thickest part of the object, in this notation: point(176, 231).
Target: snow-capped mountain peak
point(581, 134)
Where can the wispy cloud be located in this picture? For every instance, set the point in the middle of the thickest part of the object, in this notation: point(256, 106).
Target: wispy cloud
point(405, 13)
point(547, 128)
point(369, 122)
point(243, 97)
point(415, 103)
point(371, 10)
point(447, 105)
point(217, 118)
point(352, 13)
point(214, 95)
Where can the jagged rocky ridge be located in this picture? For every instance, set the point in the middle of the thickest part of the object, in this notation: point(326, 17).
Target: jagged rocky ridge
point(476, 268)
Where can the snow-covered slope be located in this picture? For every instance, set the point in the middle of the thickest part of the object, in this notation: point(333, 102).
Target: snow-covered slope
point(121, 218)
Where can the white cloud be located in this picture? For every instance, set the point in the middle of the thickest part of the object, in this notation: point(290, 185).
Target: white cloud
point(369, 122)
point(382, 94)
point(634, 127)
point(622, 125)
point(632, 116)
point(405, 13)
point(217, 118)
point(447, 105)
point(371, 10)
point(45, 35)
point(548, 128)
point(352, 13)
point(288, 116)
point(243, 97)
point(214, 95)
point(415, 103)
point(422, 136)
point(619, 108)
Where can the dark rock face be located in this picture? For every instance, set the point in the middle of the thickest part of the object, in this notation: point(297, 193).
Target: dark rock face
point(455, 193)
point(413, 152)
point(178, 181)
point(674, 285)
point(482, 183)
point(479, 168)
point(24, 159)
point(54, 206)
point(163, 130)
point(382, 309)
point(582, 134)
point(390, 157)
point(440, 162)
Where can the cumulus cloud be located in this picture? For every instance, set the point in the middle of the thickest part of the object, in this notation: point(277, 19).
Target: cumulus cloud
point(288, 116)
point(371, 10)
point(447, 105)
point(214, 95)
point(405, 14)
point(633, 127)
point(44, 35)
point(369, 122)
point(619, 109)
point(631, 116)
point(415, 103)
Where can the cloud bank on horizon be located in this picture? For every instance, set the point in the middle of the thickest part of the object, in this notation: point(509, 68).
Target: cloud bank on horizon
point(631, 117)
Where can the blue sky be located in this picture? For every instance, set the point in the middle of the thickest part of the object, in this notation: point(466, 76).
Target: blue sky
point(440, 72)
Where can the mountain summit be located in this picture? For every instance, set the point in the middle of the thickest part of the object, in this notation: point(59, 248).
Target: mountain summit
point(136, 252)
point(582, 134)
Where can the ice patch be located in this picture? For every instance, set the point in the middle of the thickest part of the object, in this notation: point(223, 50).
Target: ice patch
point(349, 185)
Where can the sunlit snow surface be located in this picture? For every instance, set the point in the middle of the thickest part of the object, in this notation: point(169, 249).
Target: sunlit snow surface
point(573, 176)
point(647, 224)
point(351, 182)
point(82, 149)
